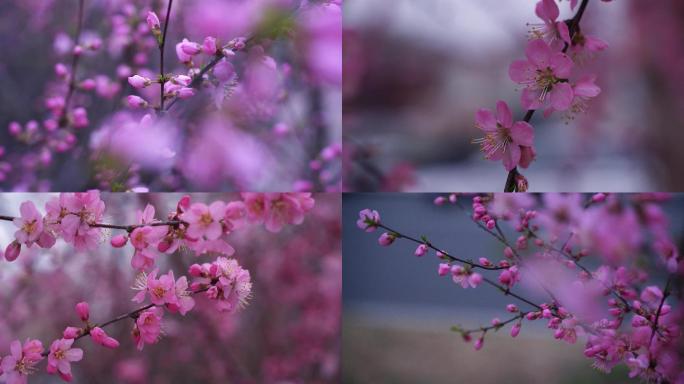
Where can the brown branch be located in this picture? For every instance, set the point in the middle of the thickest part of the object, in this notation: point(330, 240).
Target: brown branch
point(162, 44)
point(127, 228)
point(74, 65)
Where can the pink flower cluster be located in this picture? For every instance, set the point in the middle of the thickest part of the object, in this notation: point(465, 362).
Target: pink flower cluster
point(549, 83)
point(70, 217)
point(225, 282)
point(615, 303)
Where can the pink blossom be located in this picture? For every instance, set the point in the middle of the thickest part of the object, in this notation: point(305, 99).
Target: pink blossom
point(226, 281)
point(515, 329)
point(61, 356)
point(30, 224)
point(21, 362)
point(555, 32)
point(204, 222)
point(12, 251)
point(465, 277)
point(99, 336)
point(544, 75)
point(119, 241)
point(182, 55)
point(209, 45)
point(162, 290)
point(443, 269)
point(509, 276)
point(136, 102)
point(152, 21)
point(71, 332)
point(638, 364)
point(386, 239)
point(137, 81)
point(147, 329)
point(478, 343)
point(184, 302)
point(83, 310)
point(421, 250)
point(143, 259)
point(504, 139)
point(286, 208)
point(190, 47)
point(368, 220)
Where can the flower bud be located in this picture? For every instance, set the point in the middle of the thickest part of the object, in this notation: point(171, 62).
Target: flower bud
point(12, 251)
point(83, 310)
point(71, 332)
point(136, 102)
point(119, 241)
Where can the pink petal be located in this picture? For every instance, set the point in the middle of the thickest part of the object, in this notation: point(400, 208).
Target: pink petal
point(561, 65)
point(527, 156)
point(529, 99)
point(511, 157)
point(561, 96)
point(539, 53)
point(563, 31)
point(521, 71)
point(547, 10)
point(485, 120)
point(594, 44)
point(522, 134)
point(75, 354)
point(503, 113)
point(586, 88)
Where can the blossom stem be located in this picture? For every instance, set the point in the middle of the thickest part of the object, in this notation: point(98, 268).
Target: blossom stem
point(127, 228)
point(521, 315)
point(162, 44)
point(573, 26)
point(450, 257)
point(506, 291)
point(128, 315)
point(74, 65)
point(666, 293)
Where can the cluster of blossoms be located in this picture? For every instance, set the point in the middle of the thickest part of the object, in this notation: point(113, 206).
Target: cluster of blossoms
point(251, 66)
point(550, 82)
point(614, 302)
point(76, 218)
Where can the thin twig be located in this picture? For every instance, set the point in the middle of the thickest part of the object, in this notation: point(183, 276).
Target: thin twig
point(74, 65)
point(162, 44)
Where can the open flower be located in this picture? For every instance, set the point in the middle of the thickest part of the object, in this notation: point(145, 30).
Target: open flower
point(544, 75)
point(555, 32)
point(147, 329)
point(465, 277)
point(30, 224)
point(505, 140)
point(21, 362)
point(61, 356)
point(205, 221)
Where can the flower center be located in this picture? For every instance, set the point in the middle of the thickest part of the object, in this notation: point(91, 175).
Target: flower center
point(492, 142)
point(206, 219)
point(29, 227)
point(158, 291)
point(59, 355)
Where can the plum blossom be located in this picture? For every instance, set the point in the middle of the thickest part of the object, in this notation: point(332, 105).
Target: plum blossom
point(204, 222)
point(99, 336)
point(368, 219)
point(61, 356)
point(465, 277)
point(22, 360)
point(505, 140)
point(30, 224)
point(225, 281)
point(553, 31)
point(147, 329)
point(544, 75)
